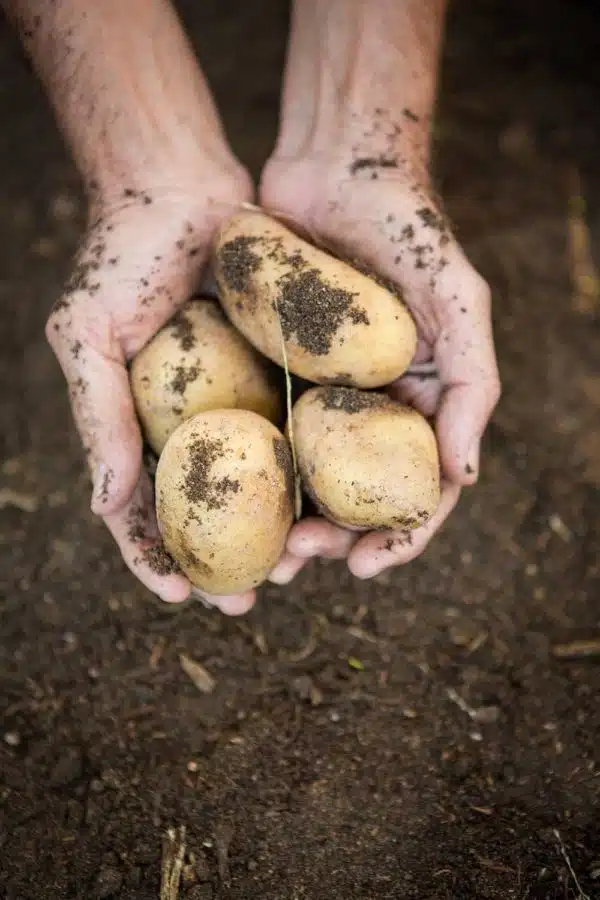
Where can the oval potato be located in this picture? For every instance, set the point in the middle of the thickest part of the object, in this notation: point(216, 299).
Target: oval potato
point(366, 461)
point(225, 498)
point(340, 326)
point(197, 362)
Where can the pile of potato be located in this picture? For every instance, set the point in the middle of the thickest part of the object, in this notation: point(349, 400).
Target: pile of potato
point(210, 393)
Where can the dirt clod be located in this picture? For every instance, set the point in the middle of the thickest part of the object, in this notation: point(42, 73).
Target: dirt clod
point(238, 262)
point(352, 400)
point(312, 310)
point(199, 485)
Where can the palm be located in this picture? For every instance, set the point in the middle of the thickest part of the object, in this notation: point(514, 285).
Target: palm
point(133, 270)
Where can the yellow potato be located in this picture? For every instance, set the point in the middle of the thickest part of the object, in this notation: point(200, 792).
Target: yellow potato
point(225, 498)
point(340, 326)
point(197, 362)
point(366, 461)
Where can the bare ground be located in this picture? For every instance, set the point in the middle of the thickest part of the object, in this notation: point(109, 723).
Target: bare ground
point(414, 737)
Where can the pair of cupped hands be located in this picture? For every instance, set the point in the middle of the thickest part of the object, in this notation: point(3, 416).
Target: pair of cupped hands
point(145, 252)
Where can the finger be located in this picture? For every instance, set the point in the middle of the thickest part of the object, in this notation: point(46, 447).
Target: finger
point(135, 531)
point(378, 551)
point(104, 415)
point(286, 569)
point(466, 360)
point(318, 537)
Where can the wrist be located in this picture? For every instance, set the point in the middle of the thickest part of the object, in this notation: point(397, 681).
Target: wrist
point(190, 203)
point(361, 77)
point(128, 94)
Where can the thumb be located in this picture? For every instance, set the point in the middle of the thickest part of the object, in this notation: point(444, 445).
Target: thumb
point(101, 403)
point(466, 361)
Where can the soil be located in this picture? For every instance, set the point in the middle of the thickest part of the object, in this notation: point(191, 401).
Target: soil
point(352, 400)
point(238, 262)
point(431, 734)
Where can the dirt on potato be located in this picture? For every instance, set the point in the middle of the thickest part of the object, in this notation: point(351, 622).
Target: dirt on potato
point(432, 734)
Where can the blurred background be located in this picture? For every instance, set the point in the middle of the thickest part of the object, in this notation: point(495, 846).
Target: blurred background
point(432, 734)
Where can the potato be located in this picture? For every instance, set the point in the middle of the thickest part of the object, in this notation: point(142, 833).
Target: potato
point(197, 362)
point(366, 461)
point(340, 326)
point(225, 499)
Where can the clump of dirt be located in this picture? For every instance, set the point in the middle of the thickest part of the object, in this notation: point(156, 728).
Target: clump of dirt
point(373, 163)
point(199, 486)
point(160, 561)
point(311, 310)
point(183, 376)
point(352, 400)
point(183, 331)
point(238, 262)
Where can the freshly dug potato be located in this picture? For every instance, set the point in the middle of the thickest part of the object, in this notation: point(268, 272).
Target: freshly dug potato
point(225, 498)
point(197, 362)
point(340, 326)
point(366, 461)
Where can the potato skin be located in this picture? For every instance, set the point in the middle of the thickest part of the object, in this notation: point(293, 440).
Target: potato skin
point(197, 362)
point(340, 326)
point(224, 499)
point(366, 461)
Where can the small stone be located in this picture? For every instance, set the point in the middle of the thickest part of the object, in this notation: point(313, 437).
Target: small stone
point(558, 527)
point(463, 632)
point(12, 738)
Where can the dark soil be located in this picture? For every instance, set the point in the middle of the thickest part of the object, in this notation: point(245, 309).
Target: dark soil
point(414, 737)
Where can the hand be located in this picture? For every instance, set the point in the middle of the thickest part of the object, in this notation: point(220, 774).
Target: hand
point(141, 258)
point(393, 224)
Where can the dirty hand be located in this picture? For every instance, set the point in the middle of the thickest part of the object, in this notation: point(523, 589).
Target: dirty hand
point(351, 167)
point(138, 117)
point(397, 229)
point(140, 260)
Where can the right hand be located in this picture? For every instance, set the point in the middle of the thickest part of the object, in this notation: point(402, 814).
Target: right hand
point(141, 258)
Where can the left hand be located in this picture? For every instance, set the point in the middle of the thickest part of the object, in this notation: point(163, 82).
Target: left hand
point(393, 224)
